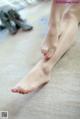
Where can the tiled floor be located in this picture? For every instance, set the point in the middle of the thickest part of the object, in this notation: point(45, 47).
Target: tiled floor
point(60, 98)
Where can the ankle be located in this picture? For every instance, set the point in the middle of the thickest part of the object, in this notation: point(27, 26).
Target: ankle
point(45, 69)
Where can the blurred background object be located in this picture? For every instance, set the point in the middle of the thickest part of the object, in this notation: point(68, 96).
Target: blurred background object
point(18, 4)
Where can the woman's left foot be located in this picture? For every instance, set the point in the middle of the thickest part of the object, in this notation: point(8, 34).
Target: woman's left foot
point(36, 78)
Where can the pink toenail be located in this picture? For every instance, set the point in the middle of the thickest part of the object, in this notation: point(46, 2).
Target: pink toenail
point(13, 90)
point(47, 57)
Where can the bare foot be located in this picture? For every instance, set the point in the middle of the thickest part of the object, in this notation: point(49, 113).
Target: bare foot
point(52, 41)
point(65, 41)
point(35, 78)
point(40, 74)
point(49, 44)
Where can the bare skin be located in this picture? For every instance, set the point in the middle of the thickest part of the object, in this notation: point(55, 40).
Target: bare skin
point(49, 43)
point(41, 73)
point(56, 43)
point(58, 11)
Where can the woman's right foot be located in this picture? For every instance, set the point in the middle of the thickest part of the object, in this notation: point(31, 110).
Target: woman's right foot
point(52, 41)
point(49, 45)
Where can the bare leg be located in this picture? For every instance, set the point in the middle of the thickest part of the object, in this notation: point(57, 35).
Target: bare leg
point(49, 43)
point(40, 74)
point(66, 40)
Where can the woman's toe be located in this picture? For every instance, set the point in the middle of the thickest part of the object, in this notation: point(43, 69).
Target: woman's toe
point(44, 50)
point(20, 90)
point(14, 90)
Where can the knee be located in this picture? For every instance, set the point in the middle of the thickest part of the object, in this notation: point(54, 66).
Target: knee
point(73, 22)
point(73, 19)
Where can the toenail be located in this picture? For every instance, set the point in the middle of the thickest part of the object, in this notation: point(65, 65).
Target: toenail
point(13, 90)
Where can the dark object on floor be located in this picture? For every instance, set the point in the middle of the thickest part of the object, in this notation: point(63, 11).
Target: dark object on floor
point(2, 27)
point(7, 22)
point(20, 23)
